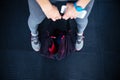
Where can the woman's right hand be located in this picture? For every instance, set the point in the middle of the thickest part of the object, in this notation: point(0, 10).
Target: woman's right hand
point(52, 12)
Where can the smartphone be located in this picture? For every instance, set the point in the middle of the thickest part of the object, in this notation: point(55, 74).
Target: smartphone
point(81, 15)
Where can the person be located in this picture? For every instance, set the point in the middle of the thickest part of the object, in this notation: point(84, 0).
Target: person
point(40, 9)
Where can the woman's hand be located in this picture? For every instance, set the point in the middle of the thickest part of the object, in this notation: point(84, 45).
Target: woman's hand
point(70, 12)
point(49, 10)
point(52, 13)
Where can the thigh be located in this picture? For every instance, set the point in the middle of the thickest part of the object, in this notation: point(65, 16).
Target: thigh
point(89, 7)
point(35, 10)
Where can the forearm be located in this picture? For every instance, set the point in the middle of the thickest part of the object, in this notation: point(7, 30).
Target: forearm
point(83, 3)
point(44, 4)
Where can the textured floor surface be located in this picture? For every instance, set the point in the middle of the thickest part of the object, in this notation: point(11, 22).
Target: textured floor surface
point(99, 59)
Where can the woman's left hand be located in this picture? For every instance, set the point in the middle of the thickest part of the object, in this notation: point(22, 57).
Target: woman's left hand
point(70, 12)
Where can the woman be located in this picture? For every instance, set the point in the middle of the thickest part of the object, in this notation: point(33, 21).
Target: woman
point(39, 9)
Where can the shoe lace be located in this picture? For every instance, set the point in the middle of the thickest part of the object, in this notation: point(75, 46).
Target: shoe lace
point(80, 38)
point(35, 39)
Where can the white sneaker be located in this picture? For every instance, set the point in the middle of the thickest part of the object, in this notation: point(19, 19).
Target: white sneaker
point(35, 43)
point(79, 42)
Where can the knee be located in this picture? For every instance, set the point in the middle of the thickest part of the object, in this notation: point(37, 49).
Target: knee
point(35, 20)
point(82, 21)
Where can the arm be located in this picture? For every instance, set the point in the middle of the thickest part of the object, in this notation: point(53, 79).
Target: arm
point(44, 4)
point(71, 11)
point(49, 10)
point(83, 3)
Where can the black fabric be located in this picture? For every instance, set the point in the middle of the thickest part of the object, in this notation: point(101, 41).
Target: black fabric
point(61, 38)
point(50, 28)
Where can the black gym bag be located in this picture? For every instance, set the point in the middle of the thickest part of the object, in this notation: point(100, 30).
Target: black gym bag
point(57, 38)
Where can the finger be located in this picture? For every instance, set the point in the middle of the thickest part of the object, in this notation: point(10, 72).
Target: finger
point(48, 17)
point(66, 18)
point(56, 18)
point(71, 18)
point(65, 14)
point(53, 19)
point(59, 17)
point(75, 17)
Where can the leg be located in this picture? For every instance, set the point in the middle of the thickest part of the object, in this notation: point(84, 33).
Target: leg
point(36, 16)
point(81, 25)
